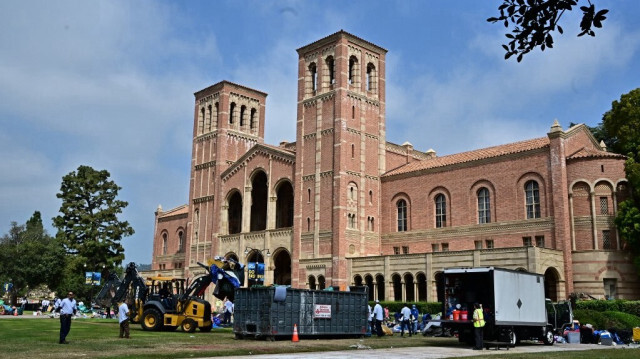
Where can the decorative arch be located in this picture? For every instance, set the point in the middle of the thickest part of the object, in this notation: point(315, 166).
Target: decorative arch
point(521, 194)
point(234, 211)
point(282, 267)
point(396, 280)
point(551, 284)
point(409, 287)
point(357, 280)
point(381, 287)
point(284, 204)
point(368, 280)
point(440, 201)
point(259, 200)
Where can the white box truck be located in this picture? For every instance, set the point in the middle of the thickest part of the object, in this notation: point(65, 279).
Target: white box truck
point(514, 305)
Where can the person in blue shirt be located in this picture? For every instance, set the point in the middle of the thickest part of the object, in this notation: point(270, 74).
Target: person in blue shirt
point(67, 309)
point(416, 315)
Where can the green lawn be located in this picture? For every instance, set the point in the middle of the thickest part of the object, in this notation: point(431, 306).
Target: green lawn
point(98, 338)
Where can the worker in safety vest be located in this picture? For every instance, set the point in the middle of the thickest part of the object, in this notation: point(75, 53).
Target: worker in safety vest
point(478, 324)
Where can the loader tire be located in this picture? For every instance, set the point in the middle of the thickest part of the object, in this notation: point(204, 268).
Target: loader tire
point(152, 319)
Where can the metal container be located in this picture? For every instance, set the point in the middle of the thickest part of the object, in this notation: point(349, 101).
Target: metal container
point(273, 311)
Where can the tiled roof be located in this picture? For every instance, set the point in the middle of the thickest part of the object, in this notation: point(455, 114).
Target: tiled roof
point(592, 153)
point(470, 156)
point(184, 209)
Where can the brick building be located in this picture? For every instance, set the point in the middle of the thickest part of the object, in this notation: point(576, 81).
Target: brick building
point(343, 206)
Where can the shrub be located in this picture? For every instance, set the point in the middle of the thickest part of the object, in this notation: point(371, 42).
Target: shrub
point(607, 319)
point(619, 305)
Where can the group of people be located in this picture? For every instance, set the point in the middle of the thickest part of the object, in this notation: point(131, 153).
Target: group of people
point(408, 320)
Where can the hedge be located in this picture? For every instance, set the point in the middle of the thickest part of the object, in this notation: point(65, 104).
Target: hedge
point(618, 305)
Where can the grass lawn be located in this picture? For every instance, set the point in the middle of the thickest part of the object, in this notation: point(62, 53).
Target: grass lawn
point(98, 338)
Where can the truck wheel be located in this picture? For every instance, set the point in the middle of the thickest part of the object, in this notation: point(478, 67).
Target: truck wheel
point(152, 319)
point(548, 338)
point(513, 339)
point(189, 325)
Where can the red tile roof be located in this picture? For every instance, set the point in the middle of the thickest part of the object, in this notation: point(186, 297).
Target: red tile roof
point(470, 156)
point(593, 153)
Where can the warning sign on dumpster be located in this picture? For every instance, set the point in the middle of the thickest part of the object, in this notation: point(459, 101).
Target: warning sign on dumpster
point(322, 311)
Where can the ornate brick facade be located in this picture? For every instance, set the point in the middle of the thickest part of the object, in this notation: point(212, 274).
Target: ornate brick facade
point(342, 206)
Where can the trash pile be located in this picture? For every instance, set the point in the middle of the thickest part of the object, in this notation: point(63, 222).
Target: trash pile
point(587, 334)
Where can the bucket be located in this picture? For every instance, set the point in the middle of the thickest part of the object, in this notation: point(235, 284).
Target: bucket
point(463, 315)
point(456, 315)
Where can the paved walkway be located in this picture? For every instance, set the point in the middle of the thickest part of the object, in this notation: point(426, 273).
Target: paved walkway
point(432, 352)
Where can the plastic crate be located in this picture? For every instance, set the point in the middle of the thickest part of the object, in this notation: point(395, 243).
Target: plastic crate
point(573, 337)
point(272, 312)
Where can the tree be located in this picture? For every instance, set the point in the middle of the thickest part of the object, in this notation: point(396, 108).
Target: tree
point(535, 20)
point(622, 125)
point(88, 224)
point(30, 257)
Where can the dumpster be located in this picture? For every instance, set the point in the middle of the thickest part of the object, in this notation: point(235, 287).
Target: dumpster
point(272, 312)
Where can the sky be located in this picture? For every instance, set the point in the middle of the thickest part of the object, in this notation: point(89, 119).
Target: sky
point(110, 84)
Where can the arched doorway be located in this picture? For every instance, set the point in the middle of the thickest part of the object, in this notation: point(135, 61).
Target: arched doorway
point(255, 258)
point(421, 278)
point(397, 287)
point(357, 280)
point(380, 284)
point(259, 199)
point(409, 289)
point(282, 271)
point(321, 282)
point(234, 213)
point(284, 205)
point(368, 279)
point(551, 279)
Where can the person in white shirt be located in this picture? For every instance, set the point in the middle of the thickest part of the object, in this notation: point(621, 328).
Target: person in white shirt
point(406, 320)
point(228, 311)
point(378, 317)
point(67, 308)
point(123, 318)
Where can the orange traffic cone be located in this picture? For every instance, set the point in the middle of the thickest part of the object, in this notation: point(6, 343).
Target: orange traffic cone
point(295, 333)
point(15, 311)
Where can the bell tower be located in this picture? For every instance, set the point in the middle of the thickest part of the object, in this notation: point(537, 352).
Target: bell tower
point(340, 118)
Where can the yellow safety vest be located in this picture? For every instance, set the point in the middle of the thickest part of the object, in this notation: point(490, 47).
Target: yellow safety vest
point(478, 318)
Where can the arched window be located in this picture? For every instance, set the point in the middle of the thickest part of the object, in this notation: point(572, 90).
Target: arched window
point(312, 282)
point(321, 283)
point(164, 243)
point(353, 112)
point(353, 69)
point(371, 77)
point(308, 195)
point(243, 109)
point(180, 241)
point(370, 197)
point(207, 124)
point(252, 119)
point(308, 224)
point(217, 106)
point(201, 121)
point(353, 150)
point(402, 215)
point(232, 110)
point(484, 206)
point(441, 211)
point(532, 194)
point(330, 69)
point(313, 73)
